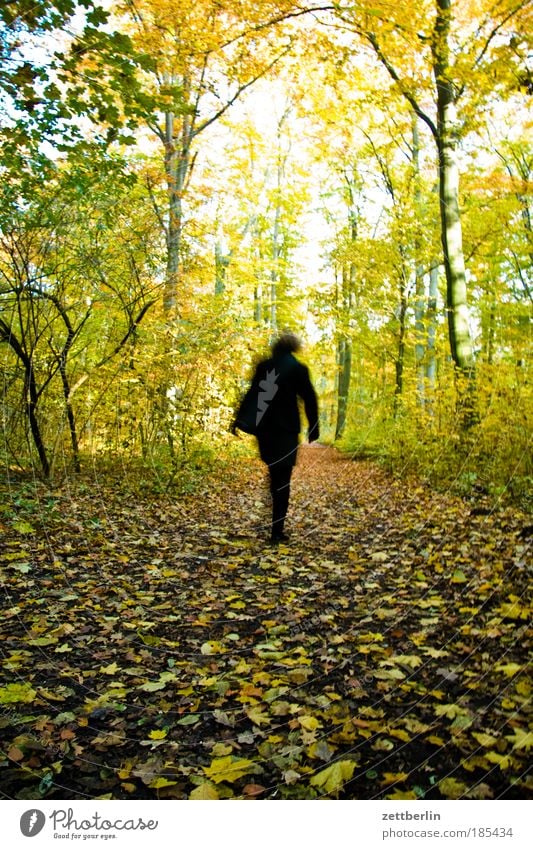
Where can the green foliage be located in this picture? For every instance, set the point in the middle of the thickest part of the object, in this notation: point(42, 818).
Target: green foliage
point(492, 458)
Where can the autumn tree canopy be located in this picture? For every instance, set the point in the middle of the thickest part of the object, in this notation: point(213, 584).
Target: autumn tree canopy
point(182, 179)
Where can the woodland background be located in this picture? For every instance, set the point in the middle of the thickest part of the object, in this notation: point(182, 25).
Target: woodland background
point(178, 182)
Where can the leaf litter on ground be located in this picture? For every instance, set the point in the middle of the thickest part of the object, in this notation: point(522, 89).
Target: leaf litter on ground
point(158, 647)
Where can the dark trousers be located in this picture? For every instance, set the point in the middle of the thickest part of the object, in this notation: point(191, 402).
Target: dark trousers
point(280, 489)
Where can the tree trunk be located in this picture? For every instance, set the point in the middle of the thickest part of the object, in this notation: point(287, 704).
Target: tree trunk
point(344, 360)
point(431, 363)
point(451, 232)
point(177, 166)
point(400, 357)
point(274, 274)
point(71, 419)
point(31, 393)
point(420, 288)
point(222, 260)
point(32, 400)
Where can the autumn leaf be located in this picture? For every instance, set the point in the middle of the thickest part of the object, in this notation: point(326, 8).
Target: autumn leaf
point(503, 761)
point(258, 716)
point(15, 754)
point(253, 790)
point(204, 791)
point(332, 779)
point(485, 740)
point(479, 791)
point(153, 686)
point(521, 739)
point(459, 577)
point(112, 669)
point(452, 788)
point(160, 782)
point(23, 527)
point(310, 723)
point(212, 647)
point(389, 674)
point(508, 669)
point(449, 710)
point(229, 769)
point(394, 777)
point(402, 795)
point(190, 719)
point(14, 693)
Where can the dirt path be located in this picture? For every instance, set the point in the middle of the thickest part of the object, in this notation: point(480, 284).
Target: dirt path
point(161, 648)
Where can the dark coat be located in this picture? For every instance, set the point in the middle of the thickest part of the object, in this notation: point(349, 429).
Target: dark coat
point(270, 408)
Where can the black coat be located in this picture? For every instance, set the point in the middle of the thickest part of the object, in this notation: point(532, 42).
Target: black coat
point(270, 408)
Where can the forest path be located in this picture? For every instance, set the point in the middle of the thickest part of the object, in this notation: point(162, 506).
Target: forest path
point(160, 647)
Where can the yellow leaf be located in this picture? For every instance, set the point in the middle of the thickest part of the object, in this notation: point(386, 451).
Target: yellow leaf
point(508, 669)
point(393, 777)
point(399, 734)
point(389, 674)
point(229, 769)
point(153, 686)
point(503, 761)
point(333, 778)
point(383, 744)
point(14, 693)
point(451, 711)
point(158, 735)
point(485, 740)
point(459, 577)
point(409, 660)
point(112, 669)
point(437, 741)
point(157, 783)
point(451, 788)
point(513, 611)
point(257, 716)
point(212, 647)
point(402, 794)
point(220, 749)
point(204, 791)
point(523, 687)
point(47, 694)
point(521, 739)
point(310, 723)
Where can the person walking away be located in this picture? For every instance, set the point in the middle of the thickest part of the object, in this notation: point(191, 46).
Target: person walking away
point(270, 411)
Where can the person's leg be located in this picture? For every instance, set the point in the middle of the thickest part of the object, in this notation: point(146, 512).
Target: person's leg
point(280, 488)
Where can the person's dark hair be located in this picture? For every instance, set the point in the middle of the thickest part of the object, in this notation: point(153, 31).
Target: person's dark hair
point(286, 343)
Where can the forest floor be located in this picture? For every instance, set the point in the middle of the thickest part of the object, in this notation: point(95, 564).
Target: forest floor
point(159, 647)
